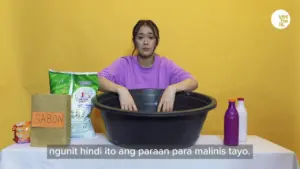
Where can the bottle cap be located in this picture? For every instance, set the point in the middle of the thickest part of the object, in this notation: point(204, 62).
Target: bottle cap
point(241, 99)
point(231, 100)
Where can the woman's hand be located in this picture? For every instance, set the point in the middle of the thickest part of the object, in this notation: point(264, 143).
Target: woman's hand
point(167, 100)
point(126, 100)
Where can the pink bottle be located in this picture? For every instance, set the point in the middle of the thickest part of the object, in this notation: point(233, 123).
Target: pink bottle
point(231, 125)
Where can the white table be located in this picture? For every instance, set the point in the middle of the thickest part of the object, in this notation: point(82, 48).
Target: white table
point(266, 155)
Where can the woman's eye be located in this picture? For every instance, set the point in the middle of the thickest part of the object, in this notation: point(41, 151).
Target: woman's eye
point(140, 38)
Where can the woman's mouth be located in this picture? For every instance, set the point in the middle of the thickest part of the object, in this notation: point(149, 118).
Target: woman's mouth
point(146, 49)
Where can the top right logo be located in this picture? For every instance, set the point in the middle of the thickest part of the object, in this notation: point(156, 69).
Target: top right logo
point(280, 19)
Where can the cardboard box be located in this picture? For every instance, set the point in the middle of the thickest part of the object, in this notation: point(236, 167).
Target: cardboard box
point(50, 120)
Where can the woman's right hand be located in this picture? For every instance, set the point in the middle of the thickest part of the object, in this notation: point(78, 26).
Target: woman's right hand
point(126, 100)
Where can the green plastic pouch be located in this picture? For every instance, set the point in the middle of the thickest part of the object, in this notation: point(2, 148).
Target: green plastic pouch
point(82, 86)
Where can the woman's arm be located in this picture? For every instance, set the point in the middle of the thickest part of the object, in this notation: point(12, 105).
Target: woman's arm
point(106, 85)
point(110, 78)
point(126, 100)
point(180, 79)
point(166, 103)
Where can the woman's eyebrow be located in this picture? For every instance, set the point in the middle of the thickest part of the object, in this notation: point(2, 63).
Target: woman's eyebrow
point(143, 33)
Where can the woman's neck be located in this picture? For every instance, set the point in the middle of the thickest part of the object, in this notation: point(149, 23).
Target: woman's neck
point(146, 62)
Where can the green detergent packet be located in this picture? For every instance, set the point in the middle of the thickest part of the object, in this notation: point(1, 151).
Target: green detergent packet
point(82, 86)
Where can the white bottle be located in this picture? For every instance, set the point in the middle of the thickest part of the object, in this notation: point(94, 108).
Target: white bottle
point(242, 120)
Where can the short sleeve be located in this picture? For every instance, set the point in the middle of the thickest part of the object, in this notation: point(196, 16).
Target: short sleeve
point(114, 72)
point(177, 74)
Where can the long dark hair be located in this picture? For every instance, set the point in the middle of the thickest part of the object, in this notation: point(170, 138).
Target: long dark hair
point(137, 27)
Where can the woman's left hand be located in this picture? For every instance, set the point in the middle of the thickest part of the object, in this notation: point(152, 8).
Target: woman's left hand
point(167, 100)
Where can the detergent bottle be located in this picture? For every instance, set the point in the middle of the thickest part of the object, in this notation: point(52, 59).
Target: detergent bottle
point(231, 125)
point(242, 120)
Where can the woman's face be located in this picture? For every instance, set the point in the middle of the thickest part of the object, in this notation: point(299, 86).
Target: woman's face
point(145, 42)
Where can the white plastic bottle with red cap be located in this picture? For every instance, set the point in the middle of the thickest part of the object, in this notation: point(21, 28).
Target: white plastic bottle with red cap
point(242, 120)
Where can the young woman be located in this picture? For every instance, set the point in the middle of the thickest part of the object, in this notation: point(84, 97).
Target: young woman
point(146, 70)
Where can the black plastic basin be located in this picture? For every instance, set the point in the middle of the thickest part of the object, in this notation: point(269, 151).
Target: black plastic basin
point(148, 128)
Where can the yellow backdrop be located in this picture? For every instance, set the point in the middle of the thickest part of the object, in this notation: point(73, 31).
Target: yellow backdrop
point(230, 46)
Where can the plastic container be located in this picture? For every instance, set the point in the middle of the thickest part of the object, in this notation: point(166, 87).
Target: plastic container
point(148, 128)
point(242, 120)
point(231, 125)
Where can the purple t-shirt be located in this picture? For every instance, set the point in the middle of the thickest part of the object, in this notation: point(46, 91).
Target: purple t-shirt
point(127, 72)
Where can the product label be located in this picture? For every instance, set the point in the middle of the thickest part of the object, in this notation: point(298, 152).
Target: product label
point(82, 129)
point(48, 119)
point(81, 102)
point(85, 83)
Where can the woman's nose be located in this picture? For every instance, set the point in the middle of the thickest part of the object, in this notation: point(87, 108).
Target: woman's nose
point(146, 41)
